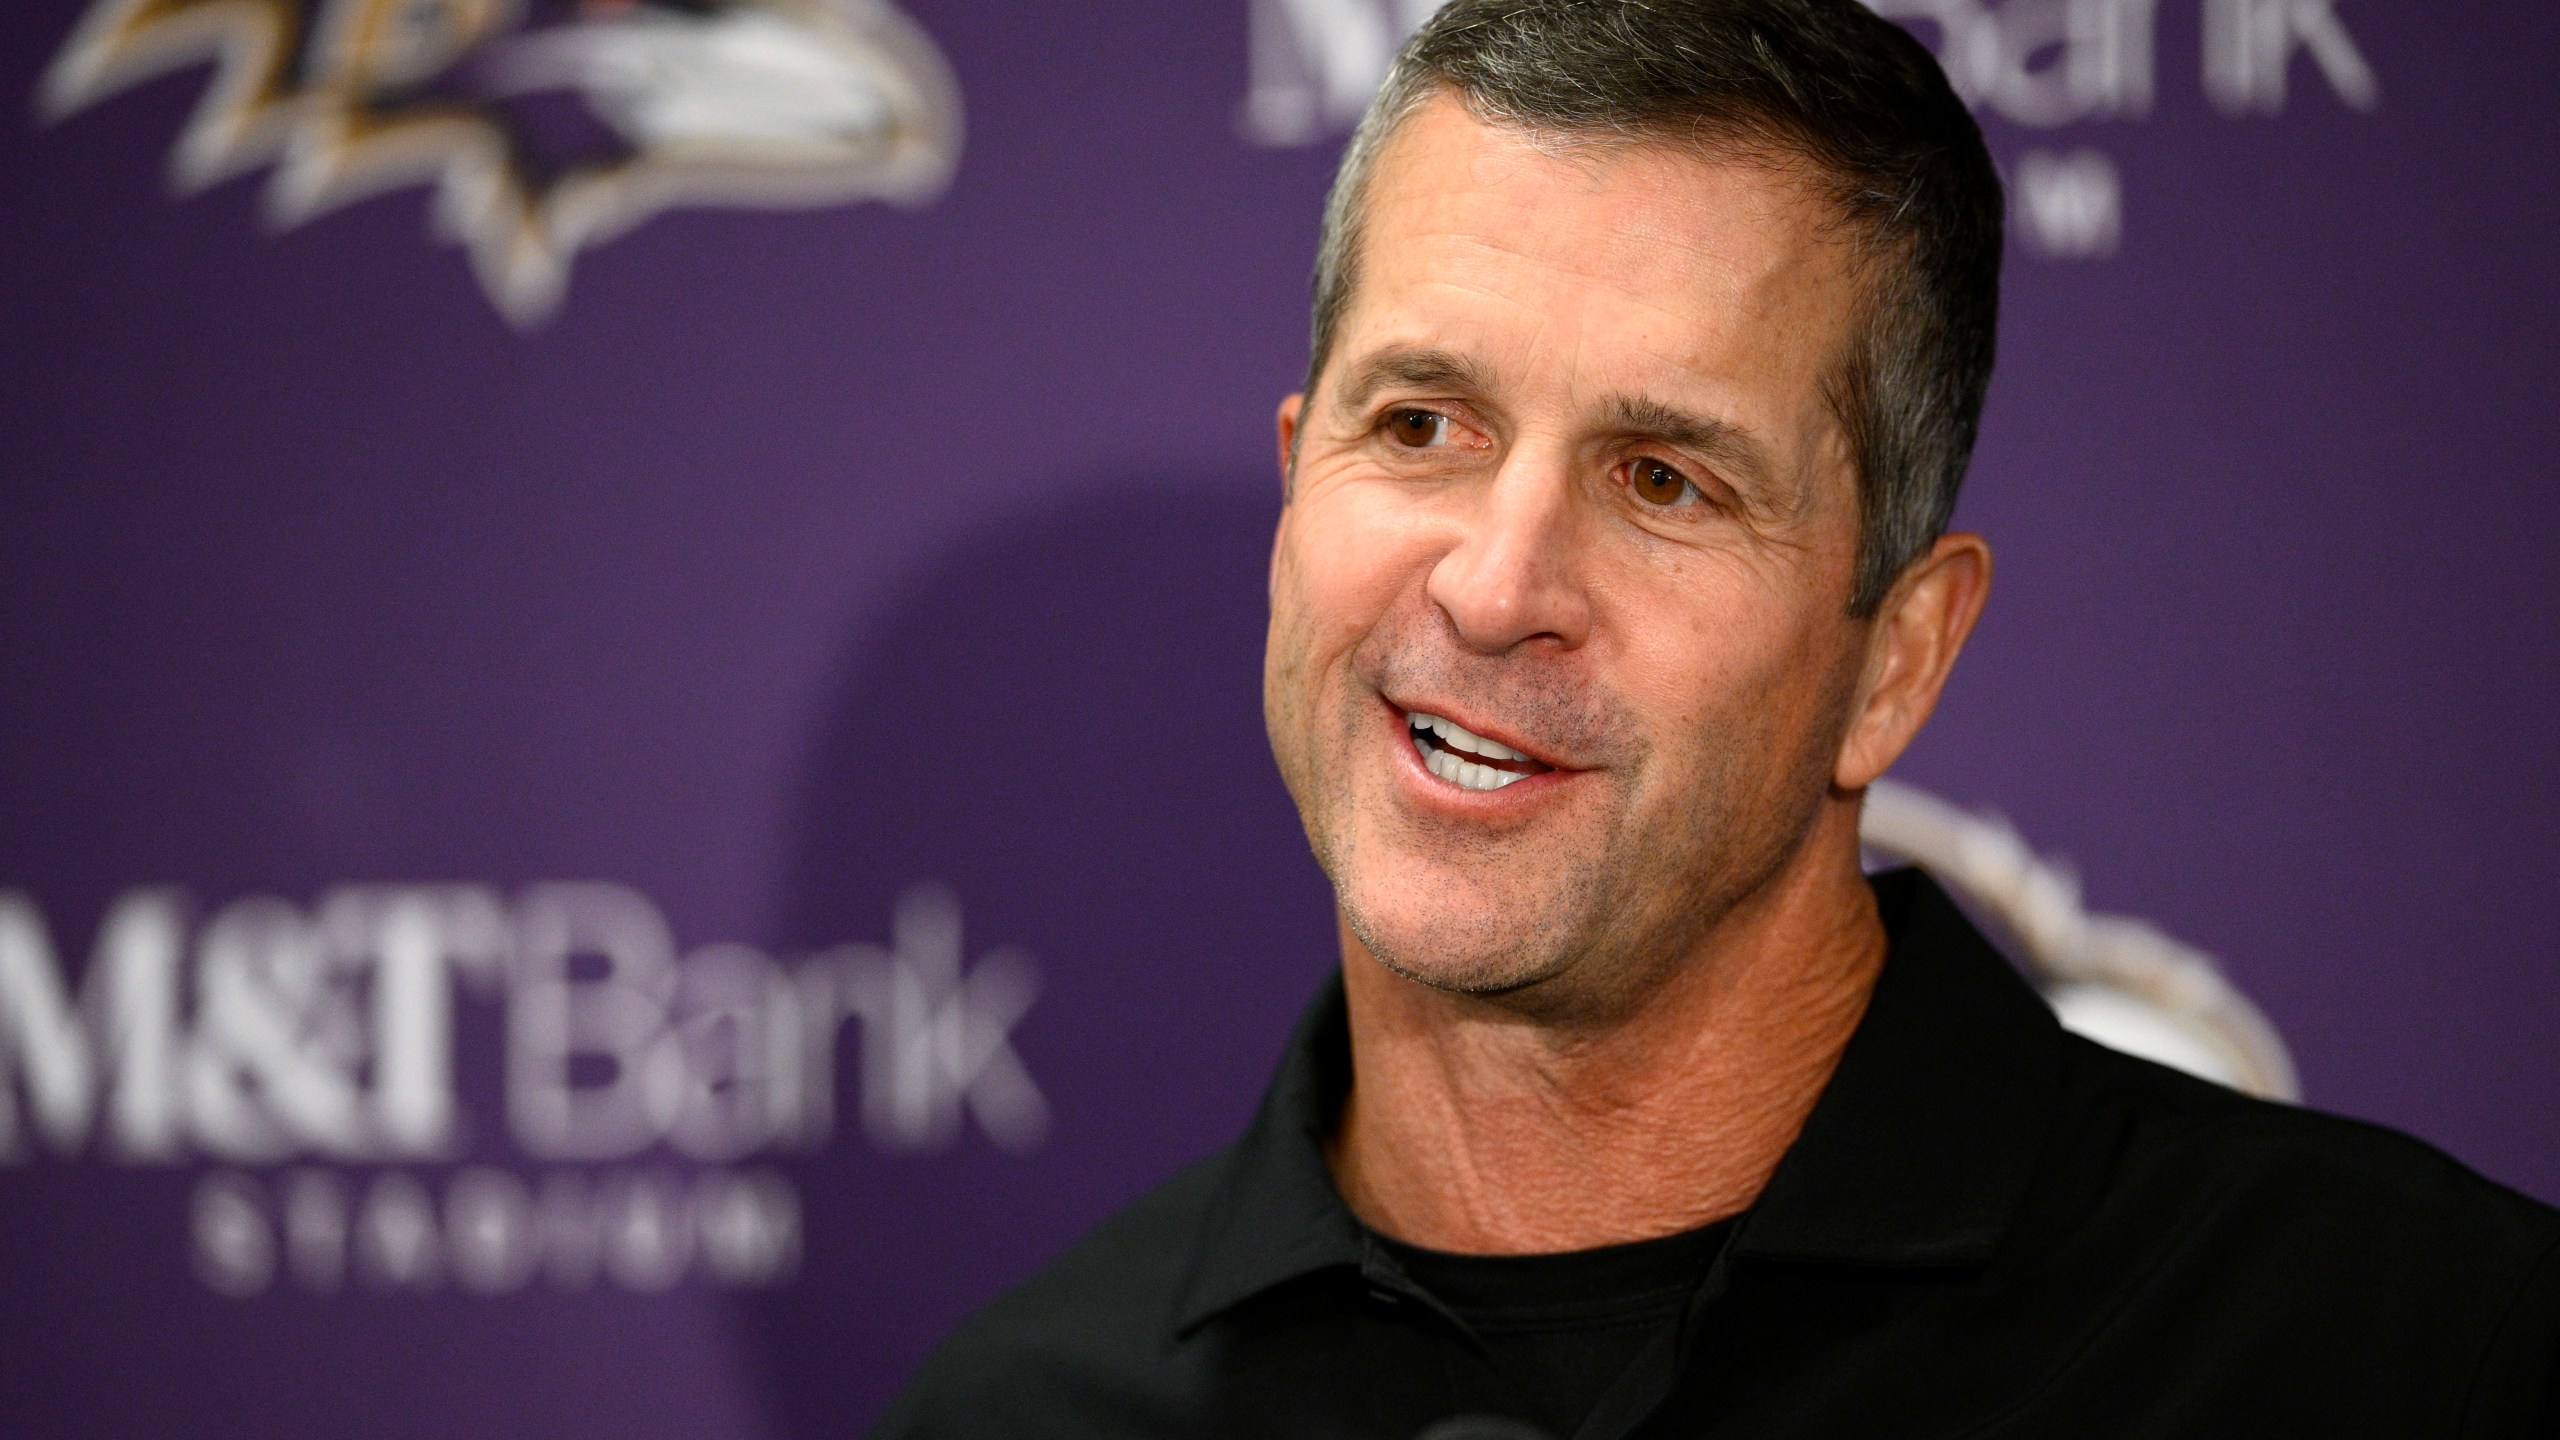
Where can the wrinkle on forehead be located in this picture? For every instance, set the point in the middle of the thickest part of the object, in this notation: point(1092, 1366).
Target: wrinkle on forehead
point(1719, 287)
point(1776, 191)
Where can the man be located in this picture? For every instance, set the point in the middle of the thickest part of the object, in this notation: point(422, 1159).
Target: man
point(1650, 338)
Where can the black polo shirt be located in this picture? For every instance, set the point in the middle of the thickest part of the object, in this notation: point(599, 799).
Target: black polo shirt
point(1989, 1227)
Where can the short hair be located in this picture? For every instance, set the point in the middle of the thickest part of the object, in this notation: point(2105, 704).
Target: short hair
point(1826, 83)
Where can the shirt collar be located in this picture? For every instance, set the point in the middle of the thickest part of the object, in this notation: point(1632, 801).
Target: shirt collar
point(1916, 1155)
point(1276, 1215)
point(1924, 1141)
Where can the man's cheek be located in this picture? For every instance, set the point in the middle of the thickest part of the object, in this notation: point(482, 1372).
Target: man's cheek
point(1344, 605)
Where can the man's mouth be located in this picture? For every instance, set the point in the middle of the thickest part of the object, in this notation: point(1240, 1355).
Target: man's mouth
point(1466, 759)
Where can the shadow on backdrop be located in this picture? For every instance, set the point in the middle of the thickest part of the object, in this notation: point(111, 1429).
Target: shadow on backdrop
point(1061, 723)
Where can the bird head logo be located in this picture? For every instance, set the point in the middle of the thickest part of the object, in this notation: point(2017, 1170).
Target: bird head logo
point(542, 127)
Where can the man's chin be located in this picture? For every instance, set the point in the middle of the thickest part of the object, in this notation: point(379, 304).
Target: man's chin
point(1484, 977)
point(1465, 950)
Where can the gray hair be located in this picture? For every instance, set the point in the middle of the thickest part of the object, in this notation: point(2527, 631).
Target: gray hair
point(1824, 82)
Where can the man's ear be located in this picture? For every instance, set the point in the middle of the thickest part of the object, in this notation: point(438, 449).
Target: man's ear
point(1290, 409)
point(1911, 646)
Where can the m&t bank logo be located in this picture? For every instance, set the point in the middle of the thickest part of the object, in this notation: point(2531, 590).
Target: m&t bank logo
point(312, 1053)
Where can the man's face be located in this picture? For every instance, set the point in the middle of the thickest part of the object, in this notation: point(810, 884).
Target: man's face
point(1570, 486)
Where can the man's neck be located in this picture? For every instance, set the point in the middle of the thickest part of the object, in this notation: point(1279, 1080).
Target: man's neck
point(1474, 1128)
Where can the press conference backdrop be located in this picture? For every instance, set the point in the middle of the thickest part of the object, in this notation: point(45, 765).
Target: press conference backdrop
point(630, 772)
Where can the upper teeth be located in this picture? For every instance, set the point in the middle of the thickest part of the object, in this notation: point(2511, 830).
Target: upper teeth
point(1458, 738)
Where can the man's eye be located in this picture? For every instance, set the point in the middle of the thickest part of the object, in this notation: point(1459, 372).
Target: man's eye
point(1658, 484)
point(1418, 428)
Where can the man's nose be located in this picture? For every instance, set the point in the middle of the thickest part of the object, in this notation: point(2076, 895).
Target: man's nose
point(1514, 575)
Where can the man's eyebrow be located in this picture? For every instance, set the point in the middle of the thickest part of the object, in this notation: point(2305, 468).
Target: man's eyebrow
point(1720, 442)
point(1406, 367)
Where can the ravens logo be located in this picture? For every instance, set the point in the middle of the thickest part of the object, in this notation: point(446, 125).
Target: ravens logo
point(543, 126)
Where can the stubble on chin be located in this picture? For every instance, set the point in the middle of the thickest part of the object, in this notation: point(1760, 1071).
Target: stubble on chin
point(1446, 903)
point(1581, 915)
point(1582, 932)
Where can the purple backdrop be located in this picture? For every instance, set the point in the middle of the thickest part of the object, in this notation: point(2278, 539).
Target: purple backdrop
point(805, 557)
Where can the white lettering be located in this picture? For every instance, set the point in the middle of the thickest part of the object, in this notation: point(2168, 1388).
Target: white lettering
point(490, 1231)
point(2112, 42)
point(724, 1081)
point(934, 1041)
point(493, 1232)
point(128, 1010)
point(612, 1021)
point(315, 1229)
point(272, 1068)
point(397, 1247)
point(1315, 63)
point(566, 1218)
point(2070, 206)
point(414, 939)
point(334, 1031)
point(2249, 46)
point(646, 1220)
point(235, 1250)
point(750, 1227)
point(2042, 62)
